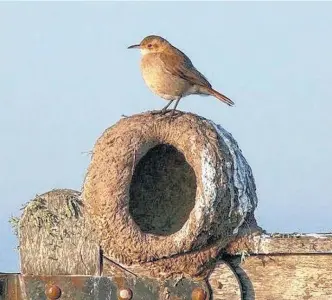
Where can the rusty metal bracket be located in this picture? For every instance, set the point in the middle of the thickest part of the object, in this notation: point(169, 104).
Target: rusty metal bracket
point(26, 287)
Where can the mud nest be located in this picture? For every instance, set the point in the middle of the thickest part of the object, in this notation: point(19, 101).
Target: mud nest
point(159, 188)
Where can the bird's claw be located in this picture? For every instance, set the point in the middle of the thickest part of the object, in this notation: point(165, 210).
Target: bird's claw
point(156, 112)
point(163, 112)
point(160, 112)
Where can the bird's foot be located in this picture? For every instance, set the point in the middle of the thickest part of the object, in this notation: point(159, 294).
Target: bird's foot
point(176, 113)
point(160, 112)
point(171, 113)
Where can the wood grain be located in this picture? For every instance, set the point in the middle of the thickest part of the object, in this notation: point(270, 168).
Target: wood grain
point(54, 237)
point(281, 244)
point(224, 282)
point(286, 277)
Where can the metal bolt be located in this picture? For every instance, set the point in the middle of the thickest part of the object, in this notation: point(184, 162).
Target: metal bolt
point(198, 294)
point(52, 292)
point(125, 294)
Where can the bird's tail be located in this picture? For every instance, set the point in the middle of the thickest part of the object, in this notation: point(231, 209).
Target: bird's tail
point(220, 96)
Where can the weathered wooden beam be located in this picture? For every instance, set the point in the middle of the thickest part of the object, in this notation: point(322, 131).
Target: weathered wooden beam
point(225, 283)
point(160, 208)
point(55, 238)
point(275, 267)
point(285, 276)
point(278, 243)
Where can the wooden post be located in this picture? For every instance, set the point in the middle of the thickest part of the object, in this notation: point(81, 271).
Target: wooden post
point(279, 266)
point(166, 201)
point(54, 237)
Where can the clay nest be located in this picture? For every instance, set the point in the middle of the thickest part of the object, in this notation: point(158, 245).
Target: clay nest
point(167, 194)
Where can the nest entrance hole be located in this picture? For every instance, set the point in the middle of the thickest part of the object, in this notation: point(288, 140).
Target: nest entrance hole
point(162, 191)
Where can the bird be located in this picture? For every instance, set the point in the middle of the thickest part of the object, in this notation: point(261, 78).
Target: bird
point(170, 74)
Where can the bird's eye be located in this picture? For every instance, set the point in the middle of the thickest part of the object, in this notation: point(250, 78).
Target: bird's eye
point(149, 45)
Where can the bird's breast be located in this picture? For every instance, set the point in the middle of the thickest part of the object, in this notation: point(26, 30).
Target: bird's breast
point(159, 79)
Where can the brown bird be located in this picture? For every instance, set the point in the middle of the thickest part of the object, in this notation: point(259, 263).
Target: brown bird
point(170, 74)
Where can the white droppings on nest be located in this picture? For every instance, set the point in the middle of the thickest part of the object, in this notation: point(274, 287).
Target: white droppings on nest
point(241, 174)
point(206, 204)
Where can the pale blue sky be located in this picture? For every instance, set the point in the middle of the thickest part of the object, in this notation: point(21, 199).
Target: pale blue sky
point(66, 75)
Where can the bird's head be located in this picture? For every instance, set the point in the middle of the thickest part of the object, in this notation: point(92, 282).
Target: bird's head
point(151, 44)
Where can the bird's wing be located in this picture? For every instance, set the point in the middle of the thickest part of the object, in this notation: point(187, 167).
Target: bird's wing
point(180, 65)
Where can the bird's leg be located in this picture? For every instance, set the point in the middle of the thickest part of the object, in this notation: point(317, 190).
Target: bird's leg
point(165, 108)
point(163, 111)
point(176, 104)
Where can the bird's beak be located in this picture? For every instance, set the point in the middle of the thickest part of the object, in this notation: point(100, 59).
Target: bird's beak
point(134, 46)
